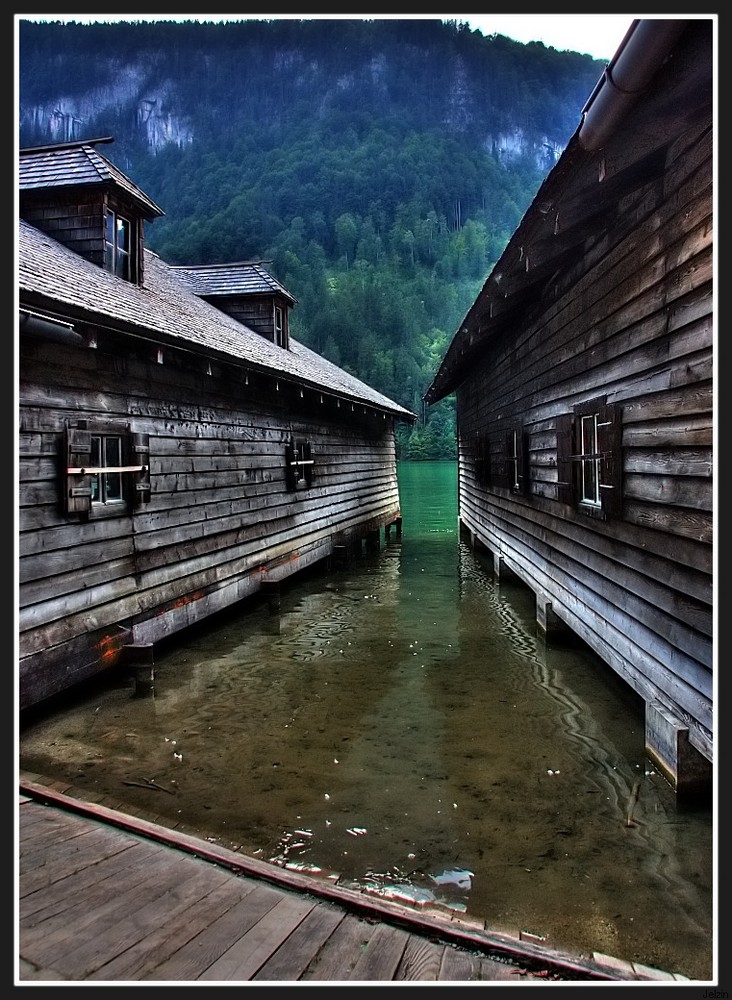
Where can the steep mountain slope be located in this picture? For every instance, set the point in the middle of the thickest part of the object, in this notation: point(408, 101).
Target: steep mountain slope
point(381, 165)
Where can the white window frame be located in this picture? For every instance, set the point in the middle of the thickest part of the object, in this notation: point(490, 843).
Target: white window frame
point(589, 459)
point(118, 245)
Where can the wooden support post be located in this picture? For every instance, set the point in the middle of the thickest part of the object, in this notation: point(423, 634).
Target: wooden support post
point(340, 555)
point(548, 621)
point(373, 541)
point(667, 745)
point(271, 590)
point(501, 569)
point(140, 657)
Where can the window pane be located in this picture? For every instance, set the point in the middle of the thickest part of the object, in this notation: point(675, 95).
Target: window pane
point(123, 234)
point(589, 425)
point(112, 486)
point(122, 269)
point(112, 451)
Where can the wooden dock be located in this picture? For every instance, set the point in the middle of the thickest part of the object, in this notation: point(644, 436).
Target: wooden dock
point(110, 898)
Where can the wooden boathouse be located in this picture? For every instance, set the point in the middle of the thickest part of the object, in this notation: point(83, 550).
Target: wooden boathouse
point(178, 449)
point(584, 376)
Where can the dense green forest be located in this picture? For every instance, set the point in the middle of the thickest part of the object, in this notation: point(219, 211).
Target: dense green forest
point(379, 165)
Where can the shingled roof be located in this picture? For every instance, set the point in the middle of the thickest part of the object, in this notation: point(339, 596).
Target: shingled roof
point(77, 164)
point(243, 278)
point(58, 281)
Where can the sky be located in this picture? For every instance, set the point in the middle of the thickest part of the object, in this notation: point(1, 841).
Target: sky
point(598, 35)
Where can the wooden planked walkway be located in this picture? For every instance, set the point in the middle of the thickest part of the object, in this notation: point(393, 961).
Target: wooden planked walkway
point(105, 897)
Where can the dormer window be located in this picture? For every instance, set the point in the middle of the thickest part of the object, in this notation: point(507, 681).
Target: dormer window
point(117, 245)
point(279, 326)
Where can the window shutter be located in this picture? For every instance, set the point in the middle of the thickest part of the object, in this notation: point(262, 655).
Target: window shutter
point(503, 474)
point(140, 448)
point(522, 446)
point(610, 439)
point(77, 486)
point(290, 476)
point(307, 455)
point(566, 492)
point(482, 460)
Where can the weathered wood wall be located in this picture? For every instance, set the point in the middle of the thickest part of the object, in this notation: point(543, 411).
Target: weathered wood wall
point(220, 520)
point(632, 320)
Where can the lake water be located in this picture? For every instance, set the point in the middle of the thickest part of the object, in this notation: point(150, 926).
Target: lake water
point(399, 725)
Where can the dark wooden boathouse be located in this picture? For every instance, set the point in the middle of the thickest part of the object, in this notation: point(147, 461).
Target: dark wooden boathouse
point(178, 450)
point(584, 376)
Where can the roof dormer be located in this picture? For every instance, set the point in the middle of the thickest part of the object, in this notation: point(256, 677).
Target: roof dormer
point(247, 292)
point(79, 197)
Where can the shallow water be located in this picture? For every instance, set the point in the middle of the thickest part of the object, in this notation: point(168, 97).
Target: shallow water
point(398, 724)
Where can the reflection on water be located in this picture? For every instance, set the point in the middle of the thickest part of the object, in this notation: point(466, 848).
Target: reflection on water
point(398, 725)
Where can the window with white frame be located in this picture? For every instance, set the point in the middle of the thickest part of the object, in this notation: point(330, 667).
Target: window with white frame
point(298, 465)
point(279, 326)
point(118, 245)
point(106, 455)
point(107, 469)
point(516, 460)
point(589, 458)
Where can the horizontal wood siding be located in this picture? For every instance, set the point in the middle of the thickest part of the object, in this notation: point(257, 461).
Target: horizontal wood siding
point(220, 519)
point(632, 320)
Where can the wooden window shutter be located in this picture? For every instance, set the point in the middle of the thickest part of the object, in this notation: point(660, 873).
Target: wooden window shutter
point(610, 439)
point(522, 452)
point(140, 455)
point(483, 460)
point(77, 455)
point(566, 491)
point(503, 474)
point(290, 473)
point(308, 457)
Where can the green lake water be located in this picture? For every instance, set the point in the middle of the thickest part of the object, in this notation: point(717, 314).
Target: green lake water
point(399, 726)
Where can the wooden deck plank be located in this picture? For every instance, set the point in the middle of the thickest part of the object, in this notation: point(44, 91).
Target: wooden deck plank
point(244, 959)
point(458, 966)
point(170, 908)
point(58, 861)
point(295, 954)
point(192, 960)
point(54, 896)
point(492, 971)
point(174, 932)
point(59, 901)
point(421, 961)
point(117, 900)
point(382, 955)
point(92, 928)
point(341, 951)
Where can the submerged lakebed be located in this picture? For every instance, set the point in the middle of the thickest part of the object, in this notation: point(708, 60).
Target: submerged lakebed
point(397, 725)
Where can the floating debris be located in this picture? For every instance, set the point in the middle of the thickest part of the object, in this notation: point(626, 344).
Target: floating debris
point(460, 877)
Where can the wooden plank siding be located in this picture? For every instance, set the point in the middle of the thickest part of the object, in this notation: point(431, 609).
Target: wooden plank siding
point(220, 520)
point(627, 316)
point(172, 460)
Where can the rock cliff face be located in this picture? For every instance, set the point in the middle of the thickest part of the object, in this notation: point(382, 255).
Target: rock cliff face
point(155, 117)
point(150, 113)
point(172, 94)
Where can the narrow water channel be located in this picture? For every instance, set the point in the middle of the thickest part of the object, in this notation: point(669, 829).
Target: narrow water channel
point(397, 724)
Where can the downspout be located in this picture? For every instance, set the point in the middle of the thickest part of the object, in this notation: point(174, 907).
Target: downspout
point(646, 45)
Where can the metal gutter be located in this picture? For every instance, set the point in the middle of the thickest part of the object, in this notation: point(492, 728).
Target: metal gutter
point(646, 45)
point(36, 325)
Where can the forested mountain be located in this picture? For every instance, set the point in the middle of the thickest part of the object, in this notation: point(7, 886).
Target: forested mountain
point(380, 165)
